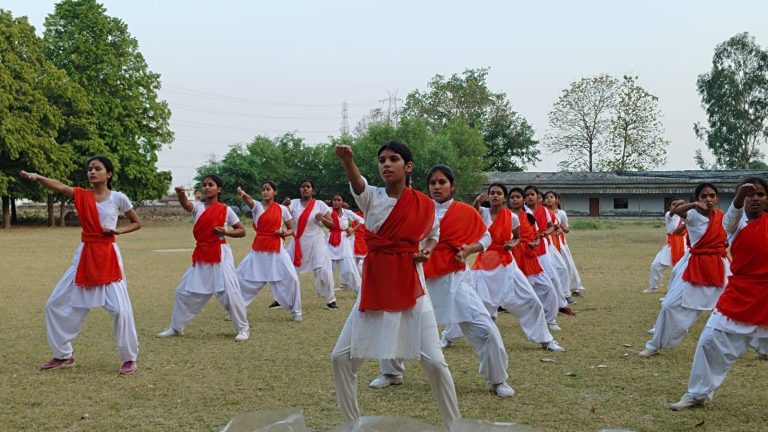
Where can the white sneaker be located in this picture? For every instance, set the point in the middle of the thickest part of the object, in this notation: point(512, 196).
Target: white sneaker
point(687, 401)
point(385, 380)
point(553, 327)
point(651, 330)
point(647, 353)
point(650, 290)
point(552, 346)
point(445, 342)
point(242, 335)
point(297, 318)
point(502, 390)
point(170, 331)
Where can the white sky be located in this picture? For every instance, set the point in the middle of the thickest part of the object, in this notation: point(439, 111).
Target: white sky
point(232, 70)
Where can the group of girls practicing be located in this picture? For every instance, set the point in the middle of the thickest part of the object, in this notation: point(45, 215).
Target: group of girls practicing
point(703, 280)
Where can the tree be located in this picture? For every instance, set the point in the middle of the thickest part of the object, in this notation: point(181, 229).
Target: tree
point(638, 142)
point(507, 136)
point(580, 122)
point(29, 124)
point(99, 54)
point(735, 96)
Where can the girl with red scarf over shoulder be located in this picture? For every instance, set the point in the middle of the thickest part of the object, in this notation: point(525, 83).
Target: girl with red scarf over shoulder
point(393, 318)
point(340, 248)
point(545, 226)
point(672, 250)
point(528, 262)
point(699, 277)
point(96, 277)
point(497, 278)
point(268, 262)
point(213, 267)
point(309, 249)
point(552, 201)
point(741, 313)
point(449, 284)
point(553, 250)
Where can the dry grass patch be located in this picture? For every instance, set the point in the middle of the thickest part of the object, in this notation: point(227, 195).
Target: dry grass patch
point(199, 381)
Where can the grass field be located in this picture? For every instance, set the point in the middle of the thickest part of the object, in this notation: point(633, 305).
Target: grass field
point(199, 381)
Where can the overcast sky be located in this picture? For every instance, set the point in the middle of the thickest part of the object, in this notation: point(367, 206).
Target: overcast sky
point(232, 70)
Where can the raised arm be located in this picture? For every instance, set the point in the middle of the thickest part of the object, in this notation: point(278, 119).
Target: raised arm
point(181, 194)
point(243, 195)
point(344, 152)
point(483, 197)
point(51, 184)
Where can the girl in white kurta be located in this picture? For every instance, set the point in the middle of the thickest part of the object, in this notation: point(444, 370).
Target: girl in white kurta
point(340, 244)
point(674, 230)
point(498, 280)
point(268, 262)
point(213, 267)
point(96, 277)
point(741, 315)
point(392, 318)
point(449, 284)
point(700, 276)
point(572, 280)
point(312, 253)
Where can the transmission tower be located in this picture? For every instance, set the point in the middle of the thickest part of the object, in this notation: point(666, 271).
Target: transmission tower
point(393, 110)
point(344, 119)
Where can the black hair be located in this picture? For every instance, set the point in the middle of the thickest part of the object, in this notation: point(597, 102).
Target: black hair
point(700, 187)
point(216, 179)
point(338, 194)
point(447, 171)
point(529, 187)
point(500, 186)
point(311, 183)
point(518, 190)
point(403, 150)
point(107, 165)
point(557, 195)
point(270, 183)
point(754, 180)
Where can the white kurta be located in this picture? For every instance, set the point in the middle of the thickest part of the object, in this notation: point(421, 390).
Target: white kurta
point(345, 249)
point(314, 252)
point(69, 304)
point(276, 268)
point(380, 334)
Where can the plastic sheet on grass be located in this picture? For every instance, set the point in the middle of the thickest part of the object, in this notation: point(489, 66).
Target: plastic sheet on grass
point(470, 425)
point(290, 420)
point(387, 424)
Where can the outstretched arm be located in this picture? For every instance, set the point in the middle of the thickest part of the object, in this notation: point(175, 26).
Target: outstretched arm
point(344, 152)
point(183, 200)
point(51, 184)
point(243, 195)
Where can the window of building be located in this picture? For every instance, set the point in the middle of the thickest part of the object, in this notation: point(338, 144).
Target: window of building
point(620, 203)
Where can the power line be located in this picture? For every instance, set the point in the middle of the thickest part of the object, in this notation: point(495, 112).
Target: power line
point(240, 114)
point(198, 93)
point(211, 126)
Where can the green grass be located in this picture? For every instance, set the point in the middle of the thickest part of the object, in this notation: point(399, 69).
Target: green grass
point(199, 381)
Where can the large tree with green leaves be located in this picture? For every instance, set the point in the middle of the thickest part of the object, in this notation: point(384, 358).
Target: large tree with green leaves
point(734, 94)
point(29, 123)
point(508, 137)
point(99, 54)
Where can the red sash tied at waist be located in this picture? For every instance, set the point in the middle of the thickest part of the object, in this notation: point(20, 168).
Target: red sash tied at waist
point(461, 225)
point(390, 280)
point(98, 263)
point(705, 265)
point(270, 221)
point(208, 247)
point(496, 255)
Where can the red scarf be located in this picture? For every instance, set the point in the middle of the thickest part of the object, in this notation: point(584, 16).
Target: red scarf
point(334, 239)
point(555, 238)
point(360, 248)
point(461, 225)
point(705, 265)
point(390, 280)
point(745, 298)
point(98, 260)
point(676, 242)
point(541, 222)
point(208, 247)
point(496, 255)
point(270, 221)
point(525, 256)
point(302, 225)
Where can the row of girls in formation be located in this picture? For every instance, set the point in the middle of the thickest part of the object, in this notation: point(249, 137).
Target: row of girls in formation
point(703, 279)
point(96, 277)
point(415, 277)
